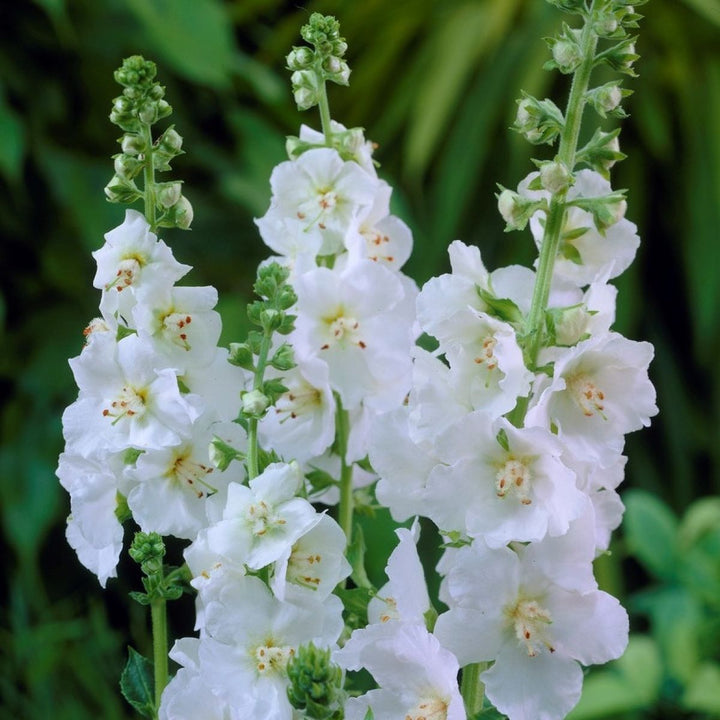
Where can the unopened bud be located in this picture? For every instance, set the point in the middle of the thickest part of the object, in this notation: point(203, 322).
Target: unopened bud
point(133, 144)
point(127, 166)
point(567, 56)
point(169, 194)
point(254, 403)
point(183, 212)
point(300, 58)
point(148, 113)
point(555, 177)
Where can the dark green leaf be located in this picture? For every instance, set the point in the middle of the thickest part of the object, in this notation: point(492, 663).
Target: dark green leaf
point(136, 683)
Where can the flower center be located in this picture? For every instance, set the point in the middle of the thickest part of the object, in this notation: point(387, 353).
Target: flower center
point(486, 356)
point(192, 474)
point(262, 518)
point(273, 658)
point(378, 245)
point(587, 396)
point(327, 200)
point(301, 400)
point(531, 623)
point(129, 403)
point(428, 709)
point(303, 568)
point(342, 327)
point(175, 328)
point(514, 478)
point(125, 276)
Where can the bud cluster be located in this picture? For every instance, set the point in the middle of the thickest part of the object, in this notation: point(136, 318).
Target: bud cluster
point(311, 68)
point(139, 107)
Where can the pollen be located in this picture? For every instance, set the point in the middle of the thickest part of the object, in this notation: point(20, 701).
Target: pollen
point(587, 396)
point(531, 623)
point(514, 478)
point(428, 709)
point(486, 356)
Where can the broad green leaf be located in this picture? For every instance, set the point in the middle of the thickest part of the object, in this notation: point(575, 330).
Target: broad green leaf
point(194, 36)
point(702, 693)
point(709, 9)
point(630, 683)
point(136, 683)
point(701, 517)
point(650, 533)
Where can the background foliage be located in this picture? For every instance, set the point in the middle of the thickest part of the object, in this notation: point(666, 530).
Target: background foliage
point(434, 82)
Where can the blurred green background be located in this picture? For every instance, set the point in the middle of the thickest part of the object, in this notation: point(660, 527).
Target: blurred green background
point(434, 83)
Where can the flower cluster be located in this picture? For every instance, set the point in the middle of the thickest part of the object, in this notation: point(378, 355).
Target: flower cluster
point(508, 435)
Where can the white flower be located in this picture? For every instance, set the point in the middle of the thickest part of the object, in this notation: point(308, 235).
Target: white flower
point(350, 320)
point(93, 529)
point(324, 192)
point(515, 490)
point(250, 638)
point(125, 400)
point(288, 236)
point(301, 424)
point(536, 627)
point(314, 565)
point(261, 522)
point(132, 257)
point(171, 486)
point(591, 256)
point(181, 322)
point(405, 596)
point(416, 675)
point(600, 390)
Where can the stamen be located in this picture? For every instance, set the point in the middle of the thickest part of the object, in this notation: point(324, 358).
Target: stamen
point(587, 396)
point(514, 477)
point(531, 622)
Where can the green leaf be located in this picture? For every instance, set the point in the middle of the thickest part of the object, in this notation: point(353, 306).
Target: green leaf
point(194, 36)
point(502, 308)
point(702, 692)
point(630, 683)
point(356, 558)
point(136, 683)
point(651, 532)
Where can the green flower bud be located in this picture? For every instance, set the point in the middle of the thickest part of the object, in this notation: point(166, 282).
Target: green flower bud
point(284, 358)
point(254, 403)
point(136, 72)
point(121, 190)
point(300, 58)
point(183, 213)
point(271, 319)
point(147, 548)
point(127, 166)
point(241, 355)
point(147, 113)
point(555, 177)
point(567, 56)
point(606, 25)
point(170, 142)
point(538, 121)
point(133, 144)
point(168, 194)
point(517, 210)
point(315, 683)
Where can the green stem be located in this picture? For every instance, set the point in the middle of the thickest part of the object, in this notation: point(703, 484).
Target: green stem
point(533, 333)
point(324, 107)
point(556, 213)
point(346, 509)
point(472, 688)
point(160, 647)
point(253, 467)
point(149, 178)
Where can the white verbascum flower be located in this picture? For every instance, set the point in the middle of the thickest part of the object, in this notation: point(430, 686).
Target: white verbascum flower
point(181, 322)
point(314, 565)
point(593, 255)
point(416, 675)
point(262, 521)
point(514, 489)
point(533, 614)
point(93, 529)
point(324, 192)
point(133, 257)
point(599, 391)
point(125, 400)
point(350, 320)
point(301, 424)
point(171, 486)
point(251, 636)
